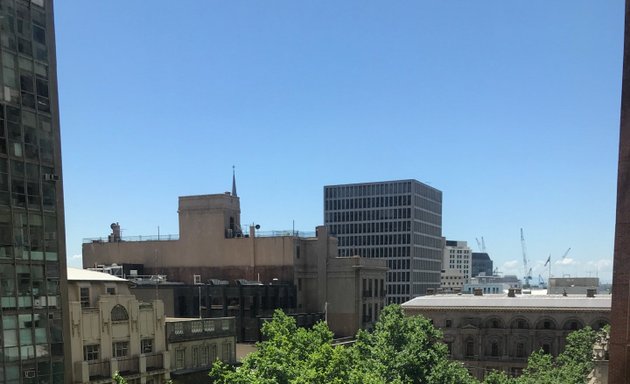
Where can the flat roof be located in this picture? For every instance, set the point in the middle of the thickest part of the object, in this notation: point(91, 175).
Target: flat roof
point(78, 274)
point(454, 302)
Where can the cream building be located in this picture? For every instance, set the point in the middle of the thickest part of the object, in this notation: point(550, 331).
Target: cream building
point(110, 331)
point(499, 332)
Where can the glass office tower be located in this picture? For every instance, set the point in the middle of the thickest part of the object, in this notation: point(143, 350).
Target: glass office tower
point(400, 221)
point(32, 242)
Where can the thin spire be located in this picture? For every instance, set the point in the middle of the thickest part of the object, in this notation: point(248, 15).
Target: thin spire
point(234, 182)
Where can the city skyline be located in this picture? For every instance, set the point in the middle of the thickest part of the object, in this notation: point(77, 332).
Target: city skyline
point(512, 111)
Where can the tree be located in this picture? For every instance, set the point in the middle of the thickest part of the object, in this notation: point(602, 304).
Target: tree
point(400, 350)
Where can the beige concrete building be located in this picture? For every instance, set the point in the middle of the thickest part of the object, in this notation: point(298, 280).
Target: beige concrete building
point(499, 332)
point(212, 245)
point(110, 331)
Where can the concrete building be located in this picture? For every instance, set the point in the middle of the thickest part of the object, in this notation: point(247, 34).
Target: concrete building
point(572, 285)
point(33, 291)
point(397, 221)
point(212, 245)
point(481, 263)
point(499, 332)
point(111, 331)
point(492, 284)
point(194, 344)
point(456, 265)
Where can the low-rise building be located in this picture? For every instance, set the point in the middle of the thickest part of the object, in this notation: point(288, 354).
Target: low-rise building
point(499, 332)
point(111, 331)
point(194, 344)
point(572, 285)
point(492, 284)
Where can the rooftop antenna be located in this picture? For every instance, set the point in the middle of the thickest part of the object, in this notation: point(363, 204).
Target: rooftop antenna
point(234, 181)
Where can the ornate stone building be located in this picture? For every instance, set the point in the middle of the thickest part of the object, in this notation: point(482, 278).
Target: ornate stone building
point(499, 332)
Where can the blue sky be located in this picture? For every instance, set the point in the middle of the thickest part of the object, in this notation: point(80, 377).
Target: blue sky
point(511, 108)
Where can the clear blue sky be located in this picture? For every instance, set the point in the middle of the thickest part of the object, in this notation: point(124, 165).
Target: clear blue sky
point(511, 108)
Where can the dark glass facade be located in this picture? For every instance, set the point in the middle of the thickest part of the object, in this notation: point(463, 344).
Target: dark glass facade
point(400, 221)
point(32, 247)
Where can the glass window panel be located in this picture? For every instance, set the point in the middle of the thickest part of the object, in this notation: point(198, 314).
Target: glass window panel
point(9, 322)
point(10, 338)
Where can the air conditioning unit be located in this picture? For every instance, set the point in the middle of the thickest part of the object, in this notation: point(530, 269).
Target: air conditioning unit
point(50, 177)
point(29, 373)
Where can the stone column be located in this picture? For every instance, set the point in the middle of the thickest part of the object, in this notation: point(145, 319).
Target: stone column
point(620, 338)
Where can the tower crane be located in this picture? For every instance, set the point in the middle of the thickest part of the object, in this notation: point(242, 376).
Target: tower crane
point(527, 271)
point(481, 244)
point(566, 253)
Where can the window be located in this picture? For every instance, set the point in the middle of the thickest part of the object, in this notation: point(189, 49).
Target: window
point(546, 348)
point(84, 294)
point(520, 350)
point(494, 349)
point(120, 348)
point(470, 348)
point(227, 352)
point(195, 356)
point(205, 352)
point(110, 290)
point(197, 327)
point(179, 328)
point(146, 346)
point(449, 323)
point(119, 313)
point(91, 352)
point(180, 355)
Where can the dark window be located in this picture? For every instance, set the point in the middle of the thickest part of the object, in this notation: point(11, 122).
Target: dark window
point(470, 348)
point(111, 291)
point(119, 313)
point(91, 352)
point(520, 350)
point(449, 323)
point(146, 346)
point(494, 349)
point(120, 349)
point(85, 297)
point(546, 348)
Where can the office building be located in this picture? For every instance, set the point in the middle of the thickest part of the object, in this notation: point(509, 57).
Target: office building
point(32, 242)
point(397, 221)
point(481, 263)
point(499, 332)
point(456, 265)
point(212, 245)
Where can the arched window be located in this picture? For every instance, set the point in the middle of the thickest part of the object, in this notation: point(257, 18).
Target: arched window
point(119, 313)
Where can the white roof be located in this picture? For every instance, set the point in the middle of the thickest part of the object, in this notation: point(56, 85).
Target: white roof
point(503, 302)
point(78, 274)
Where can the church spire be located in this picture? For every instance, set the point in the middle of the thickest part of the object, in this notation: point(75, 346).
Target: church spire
point(233, 182)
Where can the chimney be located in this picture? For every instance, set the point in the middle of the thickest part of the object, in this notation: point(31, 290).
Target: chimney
point(478, 292)
point(511, 292)
point(590, 292)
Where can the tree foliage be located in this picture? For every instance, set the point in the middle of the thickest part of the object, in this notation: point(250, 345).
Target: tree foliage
point(400, 350)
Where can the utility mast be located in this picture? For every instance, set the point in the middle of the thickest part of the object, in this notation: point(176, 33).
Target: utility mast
point(527, 271)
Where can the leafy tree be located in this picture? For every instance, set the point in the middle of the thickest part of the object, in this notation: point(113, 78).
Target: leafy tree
point(400, 350)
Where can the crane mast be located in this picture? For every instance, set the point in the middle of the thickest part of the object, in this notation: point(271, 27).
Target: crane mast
point(527, 271)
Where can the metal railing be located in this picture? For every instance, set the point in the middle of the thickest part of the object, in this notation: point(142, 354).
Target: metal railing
point(123, 239)
point(128, 364)
point(154, 361)
point(288, 232)
point(100, 368)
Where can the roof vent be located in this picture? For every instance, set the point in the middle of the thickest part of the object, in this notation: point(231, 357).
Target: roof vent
point(591, 292)
point(511, 292)
point(430, 291)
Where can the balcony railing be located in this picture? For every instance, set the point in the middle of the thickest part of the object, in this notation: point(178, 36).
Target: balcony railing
point(128, 364)
point(99, 368)
point(155, 361)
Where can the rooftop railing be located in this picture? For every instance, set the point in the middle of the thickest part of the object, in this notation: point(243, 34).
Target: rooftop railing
point(123, 239)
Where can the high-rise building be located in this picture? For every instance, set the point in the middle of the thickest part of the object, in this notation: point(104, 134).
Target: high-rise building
point(481, 264)
point(399, 221)
point(33, 290)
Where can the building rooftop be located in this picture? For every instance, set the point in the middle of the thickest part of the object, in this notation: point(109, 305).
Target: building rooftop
point(78, 274)
point(503, 302)
point(187, 319)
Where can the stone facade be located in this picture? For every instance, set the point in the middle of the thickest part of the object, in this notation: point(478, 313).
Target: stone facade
point(498, 332)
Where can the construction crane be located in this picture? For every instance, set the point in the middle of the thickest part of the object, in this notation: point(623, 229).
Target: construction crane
point(566, 253)
point(481, 244)
point(528, 272)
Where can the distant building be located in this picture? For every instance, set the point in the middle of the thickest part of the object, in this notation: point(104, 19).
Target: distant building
point(456, 265)
point(492, 284)
point(572, 285)
point(499, 332)
point(111, 331)
point(397, 221)
point(481, 263)
point(212, 246)
point(194, 345)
